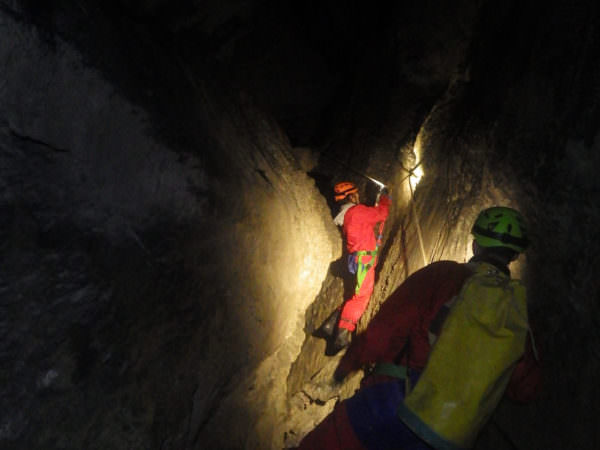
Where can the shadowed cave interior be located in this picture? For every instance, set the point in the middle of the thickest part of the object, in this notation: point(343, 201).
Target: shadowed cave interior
point(167, 244)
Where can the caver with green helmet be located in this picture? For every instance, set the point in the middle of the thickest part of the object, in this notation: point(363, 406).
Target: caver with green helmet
point(500, 235)
point(478, 341)
point(500, 226)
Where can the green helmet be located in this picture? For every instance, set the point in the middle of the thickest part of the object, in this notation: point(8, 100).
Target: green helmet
point(501, 227)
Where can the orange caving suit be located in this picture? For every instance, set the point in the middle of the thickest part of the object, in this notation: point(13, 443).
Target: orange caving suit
point(362, 228)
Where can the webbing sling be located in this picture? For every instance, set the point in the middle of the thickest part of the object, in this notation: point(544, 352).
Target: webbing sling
point(391, 370)
point(362, 269)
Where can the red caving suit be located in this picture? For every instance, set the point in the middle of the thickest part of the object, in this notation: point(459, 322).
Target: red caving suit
point(404, 318)
point(361, 234)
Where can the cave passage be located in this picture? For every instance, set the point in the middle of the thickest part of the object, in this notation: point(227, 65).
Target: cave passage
point(166, 196)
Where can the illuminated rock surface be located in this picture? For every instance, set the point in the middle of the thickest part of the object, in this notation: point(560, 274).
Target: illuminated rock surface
point(167, 238)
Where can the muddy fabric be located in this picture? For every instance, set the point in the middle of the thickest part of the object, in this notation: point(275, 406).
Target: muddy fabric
point(373, 415)
point(355, 306)
point(360, 222)
point(362, 227)
point(471, 361)
point(333, 433)
point(339, 219)
point(405, 318)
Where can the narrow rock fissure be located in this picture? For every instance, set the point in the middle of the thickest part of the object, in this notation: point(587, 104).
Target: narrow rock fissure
point(166, 205)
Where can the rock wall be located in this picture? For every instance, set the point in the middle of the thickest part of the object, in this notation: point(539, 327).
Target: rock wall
point(167, 246)
point(143, 296)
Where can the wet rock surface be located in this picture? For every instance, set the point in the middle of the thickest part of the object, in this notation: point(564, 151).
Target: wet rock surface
point(167, 244)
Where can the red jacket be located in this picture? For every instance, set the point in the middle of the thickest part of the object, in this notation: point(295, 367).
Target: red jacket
point(406, 316)
point(359, 224)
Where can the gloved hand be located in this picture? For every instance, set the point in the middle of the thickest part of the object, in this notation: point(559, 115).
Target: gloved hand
point(383, 191)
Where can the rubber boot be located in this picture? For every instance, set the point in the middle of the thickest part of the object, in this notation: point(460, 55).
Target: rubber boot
point(327, 329)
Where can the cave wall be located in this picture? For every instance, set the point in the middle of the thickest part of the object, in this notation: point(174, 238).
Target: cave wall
point(144, 271)
point(83, 185)
point(514, 113)
point(167, 244)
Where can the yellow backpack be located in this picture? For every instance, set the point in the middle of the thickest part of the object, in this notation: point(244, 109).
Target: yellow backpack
point(471, 361)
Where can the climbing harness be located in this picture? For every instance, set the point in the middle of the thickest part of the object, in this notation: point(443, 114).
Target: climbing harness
point(390, 370)
point(355, 260)
point(362, 268)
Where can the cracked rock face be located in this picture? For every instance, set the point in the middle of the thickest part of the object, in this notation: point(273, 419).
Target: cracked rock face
point(166, 236)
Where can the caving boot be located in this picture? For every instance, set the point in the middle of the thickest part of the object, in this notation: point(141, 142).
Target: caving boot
point(341, 341)
point(327, 329)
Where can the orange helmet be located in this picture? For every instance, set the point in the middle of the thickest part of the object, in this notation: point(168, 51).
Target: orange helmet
point(344, 189)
